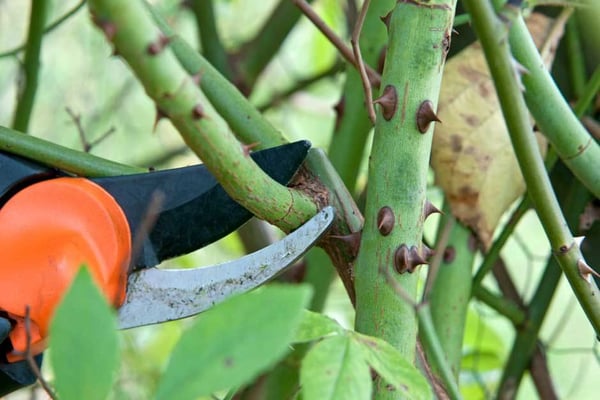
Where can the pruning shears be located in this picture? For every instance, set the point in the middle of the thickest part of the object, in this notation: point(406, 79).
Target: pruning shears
point(53, 222)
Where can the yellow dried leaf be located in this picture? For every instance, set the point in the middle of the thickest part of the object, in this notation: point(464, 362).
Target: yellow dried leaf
point(472, 155)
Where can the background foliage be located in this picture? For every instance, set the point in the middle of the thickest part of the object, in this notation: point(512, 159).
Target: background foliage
point(79, 78)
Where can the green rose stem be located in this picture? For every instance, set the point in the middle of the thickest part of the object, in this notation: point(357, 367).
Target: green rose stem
point(146, 50)
point(396, 207)
point(489, 30)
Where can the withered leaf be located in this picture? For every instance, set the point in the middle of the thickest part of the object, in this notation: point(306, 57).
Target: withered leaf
point(472, 155)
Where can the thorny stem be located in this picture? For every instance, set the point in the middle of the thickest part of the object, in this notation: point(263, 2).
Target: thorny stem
point(487, 25)
point(148, 53)
point(243, 119)
point(249, 125)
point(31, 65)
point(554, 117)
point(591, 89)
point(419, 35)
point(574, 197)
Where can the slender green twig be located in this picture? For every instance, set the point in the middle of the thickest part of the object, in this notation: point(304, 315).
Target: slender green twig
point(501, 305)
point(494, 252)
point(428, 336)
point(435, 353)
point(60, 157)
point(210, 40)
point(588, 93)
point(497, 52)
point(451, 287)
point(31, 65)
point(148, 53)
point(574, 198)
point(16, 50)
point(590, 90)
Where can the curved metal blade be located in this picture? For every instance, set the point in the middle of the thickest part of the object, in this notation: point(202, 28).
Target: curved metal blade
point(196, 210)
point(155, 295)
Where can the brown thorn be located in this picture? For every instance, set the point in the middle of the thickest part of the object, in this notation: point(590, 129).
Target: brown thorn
point(386, 20)
point(109, 28)
point(425, 116)
point(196, 78)
point(401, 262)
point(156, 47)
point(198, 111)
point(449, 254)
point(407, 259)
point(385, 220)
point(381, 59)
point(427, 252)
point(388, 102)
point(429, 209)
point(339, 112)
point(352, 240)
point(586, 271)
point(246, 148)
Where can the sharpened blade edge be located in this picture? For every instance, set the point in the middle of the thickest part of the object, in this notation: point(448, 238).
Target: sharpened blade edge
point(155, 295)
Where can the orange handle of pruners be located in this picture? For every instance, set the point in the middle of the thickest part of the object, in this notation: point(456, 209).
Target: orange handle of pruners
point(47, 231)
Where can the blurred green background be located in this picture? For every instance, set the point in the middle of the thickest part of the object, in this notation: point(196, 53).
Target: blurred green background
point(78, 73)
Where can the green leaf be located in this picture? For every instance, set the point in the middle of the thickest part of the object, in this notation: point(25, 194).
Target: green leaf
point(315, 326)
point(335, 369)
point(234, 342)
point(83, 341)
point(393, 367)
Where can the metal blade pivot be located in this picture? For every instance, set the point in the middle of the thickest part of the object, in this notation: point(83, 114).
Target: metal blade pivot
point(155, 295)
